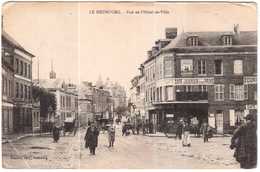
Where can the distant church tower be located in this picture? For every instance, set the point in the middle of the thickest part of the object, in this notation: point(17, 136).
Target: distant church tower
point(52, 73)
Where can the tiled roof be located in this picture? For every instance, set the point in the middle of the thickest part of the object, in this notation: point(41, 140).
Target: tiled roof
point(11, 40)
point(214, 39)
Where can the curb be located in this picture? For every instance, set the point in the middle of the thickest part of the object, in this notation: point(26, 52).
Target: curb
point(4, 141)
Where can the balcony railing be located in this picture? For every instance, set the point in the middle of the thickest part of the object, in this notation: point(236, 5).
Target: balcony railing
point(191, 96)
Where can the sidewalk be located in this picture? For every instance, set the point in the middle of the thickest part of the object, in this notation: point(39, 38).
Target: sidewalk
point(173, 135)
point(15, 137)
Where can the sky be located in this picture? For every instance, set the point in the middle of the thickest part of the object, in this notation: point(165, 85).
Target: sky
point(84, 46)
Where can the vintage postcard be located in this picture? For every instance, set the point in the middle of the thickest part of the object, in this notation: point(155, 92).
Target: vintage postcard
point(129, 85)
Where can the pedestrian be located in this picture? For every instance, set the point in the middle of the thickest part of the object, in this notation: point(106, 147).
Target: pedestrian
point(111, 136)
point(244, 141)
point(205, 131)
point(186, 135)
point(91, 138)
point(56, 133)
point(179, 130)
point(124, 130)
point(76, 126)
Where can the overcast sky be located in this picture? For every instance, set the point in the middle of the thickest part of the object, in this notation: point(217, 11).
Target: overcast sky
point(84, 46)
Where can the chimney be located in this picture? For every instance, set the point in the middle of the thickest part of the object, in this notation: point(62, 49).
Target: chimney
point(155, 49)
point(171, 33)
point(236, 29)
point(149, 54)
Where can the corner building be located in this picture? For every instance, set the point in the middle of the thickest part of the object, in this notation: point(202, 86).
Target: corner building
point(208, 75)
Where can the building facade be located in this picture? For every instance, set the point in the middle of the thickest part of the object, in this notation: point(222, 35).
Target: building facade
point(66, 95)
point(7, 95)
point(20, 60)
point(102, 105)
point(86, 111)
point(205, 75)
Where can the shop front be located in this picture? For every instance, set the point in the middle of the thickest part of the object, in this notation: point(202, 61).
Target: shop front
point(166, 117)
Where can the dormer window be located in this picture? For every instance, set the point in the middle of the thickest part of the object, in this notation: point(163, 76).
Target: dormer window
point(193, 41)
point(227, 40)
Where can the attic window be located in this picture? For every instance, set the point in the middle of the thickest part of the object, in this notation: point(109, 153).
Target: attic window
point(193, 41)
point(227, 40)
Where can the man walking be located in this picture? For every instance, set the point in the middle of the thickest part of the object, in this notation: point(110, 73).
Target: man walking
point(244, 141)
point(91, 138)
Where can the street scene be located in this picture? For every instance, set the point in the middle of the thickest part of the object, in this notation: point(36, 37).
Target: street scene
point(134, 151)
point(129, 85)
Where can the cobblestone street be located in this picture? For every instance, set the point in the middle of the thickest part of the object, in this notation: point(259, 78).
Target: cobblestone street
point(134, 151)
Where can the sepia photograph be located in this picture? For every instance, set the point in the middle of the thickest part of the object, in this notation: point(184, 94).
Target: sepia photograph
point(128, 85)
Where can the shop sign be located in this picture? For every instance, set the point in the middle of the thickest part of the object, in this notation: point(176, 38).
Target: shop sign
point(211, 120)
point(250, 106)
point(250, 80)
point(194, 81)
point(169, 115)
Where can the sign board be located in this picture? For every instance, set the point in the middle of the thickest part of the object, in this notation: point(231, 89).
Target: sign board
point(169, 115)
point(211, 120)
point(194, 81)
point(250, 107)
point(185, 81)
point(250, 80)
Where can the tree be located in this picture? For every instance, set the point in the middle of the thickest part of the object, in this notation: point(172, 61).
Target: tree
point(121, 110)
point(46, 99)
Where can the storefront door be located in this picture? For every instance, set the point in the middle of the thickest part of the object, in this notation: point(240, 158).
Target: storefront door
point(219, 122)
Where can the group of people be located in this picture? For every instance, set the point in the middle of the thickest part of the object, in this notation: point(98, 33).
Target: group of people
point(183, 131)
point(91, 137)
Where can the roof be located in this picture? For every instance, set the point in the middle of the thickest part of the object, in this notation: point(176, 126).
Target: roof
point(210, 39)
point(13, 42)
point(214, 38)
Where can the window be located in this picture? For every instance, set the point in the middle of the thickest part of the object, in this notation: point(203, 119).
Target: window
point(246, 92)
point(17, 65)
point(238, 92)
point(10, 88)
point(238, 67)
point(218, 67)
point(201, 67)
point(255, 95)
point(25, 69)
point(232, 92)
point(169, 93)
point(227, 40)
point(29, 92)
point(3, 80)
point(25, 92)
point(188, 88)
point(157, 94)
point(186, 66)
point(203, 88)
point(167, 68)
point(21, 90)
point(219, 92)
point(17, 90)
point(160, 94)
point(193, 41)
point(21, 71)
point(29, 71)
